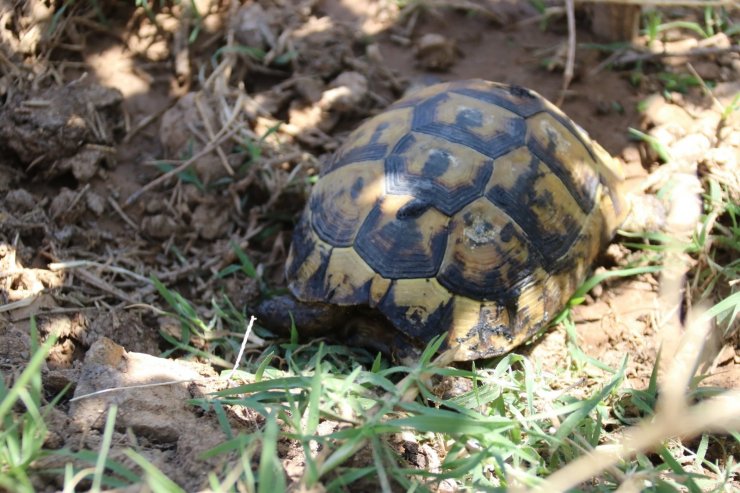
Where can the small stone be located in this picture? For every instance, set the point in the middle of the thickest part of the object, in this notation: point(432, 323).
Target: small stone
point(209, 168)
point(160, 226)
point(20, 200)
point(209, 221)
point(61, 127)
point(707, 69)
point(647, 213)
point(154, 206)
point(631, 154)
point(691, 148)
point(446, 387)
point(683, 45)
point(159, 413)
point(736, 66)
point(436, 52)
point(251, 26)
point(175, 128)
point(726, 92)
point(305, 117)
point(719, 40)
point(95, 203)
point(658, 111)
point(374, 54)
point(104, 352)
point(66, 205)
point(448, 486)
point(668, 133)
point(345, 92)
point(87, 163)
point(724, 157)
point(310, 88)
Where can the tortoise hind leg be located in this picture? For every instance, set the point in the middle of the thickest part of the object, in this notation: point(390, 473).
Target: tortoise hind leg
point(311, 319)
point(349, 325)
point(374, 332)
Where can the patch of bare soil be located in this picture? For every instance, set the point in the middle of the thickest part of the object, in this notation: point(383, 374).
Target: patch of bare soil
point(129, 150)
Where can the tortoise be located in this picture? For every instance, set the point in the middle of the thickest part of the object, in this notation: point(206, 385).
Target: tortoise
point(470, 208)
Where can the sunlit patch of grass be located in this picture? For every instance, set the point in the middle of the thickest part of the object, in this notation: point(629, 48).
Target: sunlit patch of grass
point(369, 407)
point(104, 472)
point(186, 176)
point(155, 479)
point(112, 475)
point(510, 430)
point(714, 245)
point(215, 340)
point(22, 419)
point(660, 150)
point(715, 19)
point(513, 427)
point(356, 416)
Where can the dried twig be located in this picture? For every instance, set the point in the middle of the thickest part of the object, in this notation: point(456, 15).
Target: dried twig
point(14, 305)
point(140, 386)
point(570, 60)
point(211, 135)
point(633, 57)
point(113, 203)
point(668, 3)
point(158, 181)
point(243, 346)
point(76, 264)
point(74, 202)
point(718, 414)
point(96, 281)
point(146, 121)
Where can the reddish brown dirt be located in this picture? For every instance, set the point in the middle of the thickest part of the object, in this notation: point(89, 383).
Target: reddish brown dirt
point(65, 181)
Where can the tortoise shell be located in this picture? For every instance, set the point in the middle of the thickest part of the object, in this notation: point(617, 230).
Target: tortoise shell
point(472, 208)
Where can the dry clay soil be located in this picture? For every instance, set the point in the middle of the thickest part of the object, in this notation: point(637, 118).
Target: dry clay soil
point(134, 95)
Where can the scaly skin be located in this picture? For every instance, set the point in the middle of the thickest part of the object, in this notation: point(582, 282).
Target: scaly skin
point(351, 325)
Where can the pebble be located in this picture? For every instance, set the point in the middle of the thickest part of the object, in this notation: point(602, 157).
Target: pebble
point(436, 52)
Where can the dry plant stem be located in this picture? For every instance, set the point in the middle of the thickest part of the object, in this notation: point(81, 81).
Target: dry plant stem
point(681, 353)
point(146, 121)
point(243, 346)
point(14, 305)
point(75, 264)
point(570, 61)
point(548, 13)
point(612, 59)
point(719, 414)
point(223, 135)
point(668, 3)
point(211, 134)
point(633, 57)
point(74, 201)
point(123, 215)
point(707, 91)
point(678, 366)
point(141, 386)
point(94, 280)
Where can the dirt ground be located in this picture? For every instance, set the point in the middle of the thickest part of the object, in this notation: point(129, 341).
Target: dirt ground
point(93, 114)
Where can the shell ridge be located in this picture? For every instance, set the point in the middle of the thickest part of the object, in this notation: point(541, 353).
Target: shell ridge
point(521, 106)
point(586, 199)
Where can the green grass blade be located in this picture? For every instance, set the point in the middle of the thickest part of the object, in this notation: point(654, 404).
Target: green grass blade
point(154, 478)
point(32, 370)
point(104, 448)
point(271, 477)
point(586, 406)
